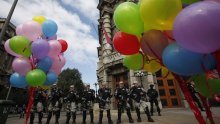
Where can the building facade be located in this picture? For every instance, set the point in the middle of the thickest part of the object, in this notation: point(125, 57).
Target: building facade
point(110, 67)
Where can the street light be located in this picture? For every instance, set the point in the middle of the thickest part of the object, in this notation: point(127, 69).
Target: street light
point(140, 74)
point(96, 88)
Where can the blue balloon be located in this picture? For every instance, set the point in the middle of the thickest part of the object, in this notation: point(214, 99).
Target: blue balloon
point(49, 28)
point(51, 78)
point(185, 62)
point(45, 64)
point(18, 81)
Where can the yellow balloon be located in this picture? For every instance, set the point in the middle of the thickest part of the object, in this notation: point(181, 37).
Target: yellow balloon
point(166, 73)
point(39, 19)
point(152, 66)
point(159, 14)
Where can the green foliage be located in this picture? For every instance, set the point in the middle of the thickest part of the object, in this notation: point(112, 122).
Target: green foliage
point(70, 77)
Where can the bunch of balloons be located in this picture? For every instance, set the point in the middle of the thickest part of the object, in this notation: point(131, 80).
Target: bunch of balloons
point(180, 35)
point(38, 54)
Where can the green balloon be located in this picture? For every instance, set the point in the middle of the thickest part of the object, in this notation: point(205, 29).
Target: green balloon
point(36, 77)
point(134, 62)
point(201, 85)
point(127, 18)
point(20, 45)
point(189, 1)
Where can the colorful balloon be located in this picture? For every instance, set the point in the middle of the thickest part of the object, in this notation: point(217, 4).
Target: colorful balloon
point(20, 45)
point(51, 78)
point(197, 27)
point(63, 44)
point(21, 66)
point(40, 48)
point(134, 62)
point(126, 44)
point(189, 1)
point(19, 30)
point(55, 48)
point(185, 62)
point(152, 65)
point(39, 19)
point(32, 30)
point(18, 81)
point(45, 64)
point(58, 61)
point(36, 77)
point(49, 28)
point(159, 14)
point(57, 71)
point(8, 49)
point(127, 18)
point(153, 43)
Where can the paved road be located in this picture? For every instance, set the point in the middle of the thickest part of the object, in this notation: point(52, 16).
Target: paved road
point(169, 116)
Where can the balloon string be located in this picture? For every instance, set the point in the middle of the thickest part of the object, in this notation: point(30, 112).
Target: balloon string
point(143, 62)
point(168, 36)
point(30, 103)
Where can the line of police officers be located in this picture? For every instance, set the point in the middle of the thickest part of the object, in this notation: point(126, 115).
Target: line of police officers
point(87, 98)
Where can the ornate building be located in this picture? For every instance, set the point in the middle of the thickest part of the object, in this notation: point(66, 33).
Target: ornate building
point(110, 67)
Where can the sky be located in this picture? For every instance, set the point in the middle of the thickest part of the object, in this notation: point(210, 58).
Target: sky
point(77, 24)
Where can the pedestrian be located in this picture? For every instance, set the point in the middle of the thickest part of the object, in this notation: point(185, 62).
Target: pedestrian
point(122, 97)
point(153, 95)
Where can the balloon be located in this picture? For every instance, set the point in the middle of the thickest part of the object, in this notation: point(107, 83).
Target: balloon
point(51, 78)
point(153, 43)
point(45, 64)
point(213, 0)
point(189, 1)
point(19, 30)
point(57, 71)
point(8, 49)
point(31, 30)
point(55, 48)
point(159, 14)
point(36, 77)
point(20, 45)
point(63, 44)
point(45, 87)
point(40, 48)
point(126, 44)
point(186, 63)
point(201, 85)
point(53, 37)
point(39, 19)
point(152, 65)
point(21, 65)
point(127, 18)
point(196, 30)
point(49, 28)
point(17, 80)
point(134, 62)
point(58, 61)
point(166, 74)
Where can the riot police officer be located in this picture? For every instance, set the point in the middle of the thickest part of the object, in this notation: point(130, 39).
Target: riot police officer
point(153, 95)
point(54, 104)
point(88, 97)
point(138, 94)
point(40, 97)
point(104, 98)
point(122, 96)
point(71, 101)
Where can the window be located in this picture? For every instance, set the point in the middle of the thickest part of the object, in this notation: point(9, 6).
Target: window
point(164, 102)
point(174, 102)
point(158, 73)
point(172, 92)
point(160, 82)
point(162, 92)
point(170, 82)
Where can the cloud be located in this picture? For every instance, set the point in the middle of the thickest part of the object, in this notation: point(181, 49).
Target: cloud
point(78, 34)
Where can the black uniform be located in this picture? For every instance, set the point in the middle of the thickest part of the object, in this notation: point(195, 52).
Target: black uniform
point(71, 103)
point(39, 98)
point(153, 95)
point(104, 97)
point(138, 94)
point(54, 104)
point(193, 94)
point(122, 96)
point(88, 97)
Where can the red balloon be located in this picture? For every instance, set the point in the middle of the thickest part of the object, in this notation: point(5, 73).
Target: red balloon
point(64, 45)
point(126, 44)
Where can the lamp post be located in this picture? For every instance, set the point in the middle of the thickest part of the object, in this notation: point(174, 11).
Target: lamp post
point(96, 88)
point(140, 74)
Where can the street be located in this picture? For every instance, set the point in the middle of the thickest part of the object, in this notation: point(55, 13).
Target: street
point(169, 116)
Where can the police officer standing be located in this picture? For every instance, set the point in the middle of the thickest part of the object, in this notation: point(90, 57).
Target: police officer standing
point(88, 97)
point(153, 95)
point(71, 101)
point(104, 97)
point(40, 97)
point(122, 96)
point(54, 104)
point(138, 94)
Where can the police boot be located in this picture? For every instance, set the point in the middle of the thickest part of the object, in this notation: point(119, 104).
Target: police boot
point(138, 114)
point(40, 116)
point(109, 117)
point(148, 115)
point(32, 118)
point(74, 117)
point(67, 117)
point(49, 117)
point(100, 116)
point(91, 116)
point(84, 117)
point(119, 116)
point(56, 120)
point(129, 116)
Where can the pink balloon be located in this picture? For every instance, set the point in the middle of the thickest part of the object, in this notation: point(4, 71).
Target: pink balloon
point(8, 49)
point(56, 71)
point(55, 48)
point(19, 30)
point(58, 62)
point(32, 30)
point(21, 65)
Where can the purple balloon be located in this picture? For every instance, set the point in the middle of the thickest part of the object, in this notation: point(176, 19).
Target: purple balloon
point(197, 27)
point(8, 49)
point(21, 65)
point(213, 0)
point(40, 48)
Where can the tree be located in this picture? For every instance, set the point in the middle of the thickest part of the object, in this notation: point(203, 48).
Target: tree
point(70, 77)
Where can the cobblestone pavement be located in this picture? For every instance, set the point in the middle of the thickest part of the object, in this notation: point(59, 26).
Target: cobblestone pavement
point(169, 116)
